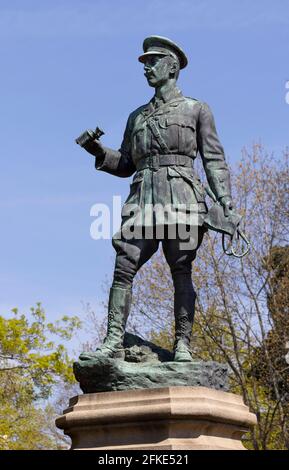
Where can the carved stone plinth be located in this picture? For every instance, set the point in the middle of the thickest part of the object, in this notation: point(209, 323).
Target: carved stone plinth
point(188, 418)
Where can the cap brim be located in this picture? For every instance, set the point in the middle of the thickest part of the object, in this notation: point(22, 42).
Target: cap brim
point(143, 57)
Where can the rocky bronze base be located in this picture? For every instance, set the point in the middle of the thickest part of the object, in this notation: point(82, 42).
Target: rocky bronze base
point(145, 365)
point(183, 418)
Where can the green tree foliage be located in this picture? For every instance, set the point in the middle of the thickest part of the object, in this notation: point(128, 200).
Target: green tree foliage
point(31, 365)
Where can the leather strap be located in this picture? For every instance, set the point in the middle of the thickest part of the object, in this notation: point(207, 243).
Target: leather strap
point(156, 133)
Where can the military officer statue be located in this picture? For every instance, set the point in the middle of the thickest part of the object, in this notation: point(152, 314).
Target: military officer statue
point(161, 142)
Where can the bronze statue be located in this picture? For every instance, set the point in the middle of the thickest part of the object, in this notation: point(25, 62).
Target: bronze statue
point(161, 141)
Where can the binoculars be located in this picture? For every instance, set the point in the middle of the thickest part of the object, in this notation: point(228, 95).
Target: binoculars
point(89, 136)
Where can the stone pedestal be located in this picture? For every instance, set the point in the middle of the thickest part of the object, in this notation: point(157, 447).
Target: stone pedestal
point(176, 418)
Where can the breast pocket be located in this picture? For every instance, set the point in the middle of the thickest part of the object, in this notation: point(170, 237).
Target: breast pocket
point(180, 133)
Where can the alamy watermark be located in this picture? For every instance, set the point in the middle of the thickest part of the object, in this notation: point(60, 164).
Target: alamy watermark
point(287, 93)
point(132, 221)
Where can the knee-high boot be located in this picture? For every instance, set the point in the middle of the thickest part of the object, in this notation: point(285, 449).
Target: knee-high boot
point(184, 309)
point(118, 311)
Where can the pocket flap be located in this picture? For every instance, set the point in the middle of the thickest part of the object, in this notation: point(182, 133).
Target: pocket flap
point(173, 173)
point(191, 180)
point(182, 121)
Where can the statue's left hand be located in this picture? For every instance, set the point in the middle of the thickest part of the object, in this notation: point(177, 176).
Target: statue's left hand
point(227, 203)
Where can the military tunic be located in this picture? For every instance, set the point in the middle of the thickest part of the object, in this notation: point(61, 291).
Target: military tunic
point(159, 147)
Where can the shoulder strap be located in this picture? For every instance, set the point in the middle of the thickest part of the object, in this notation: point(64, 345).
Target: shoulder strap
point(153, 127)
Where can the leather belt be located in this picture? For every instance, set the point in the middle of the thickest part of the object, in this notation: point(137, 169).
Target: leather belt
point(154, 162)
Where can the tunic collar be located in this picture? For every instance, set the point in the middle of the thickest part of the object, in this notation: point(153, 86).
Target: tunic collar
point(171, 94)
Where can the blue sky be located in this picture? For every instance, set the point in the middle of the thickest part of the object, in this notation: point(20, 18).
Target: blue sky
point(72, 64)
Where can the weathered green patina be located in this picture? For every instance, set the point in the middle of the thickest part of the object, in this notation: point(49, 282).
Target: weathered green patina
point(161, 141)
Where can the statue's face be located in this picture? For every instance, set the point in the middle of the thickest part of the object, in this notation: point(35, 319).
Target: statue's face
point(158, 70)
